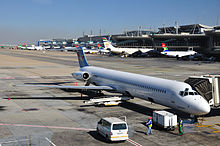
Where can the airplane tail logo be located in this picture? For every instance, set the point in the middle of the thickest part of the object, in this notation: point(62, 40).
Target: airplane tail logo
point(104, 39)
point(81, 57)
point(99, 46)
point(165, 49)
point(107, 44)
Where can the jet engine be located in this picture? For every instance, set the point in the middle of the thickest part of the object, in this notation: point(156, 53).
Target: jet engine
point(82, 76)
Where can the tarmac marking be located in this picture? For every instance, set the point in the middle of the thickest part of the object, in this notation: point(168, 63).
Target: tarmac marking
point(210, 127)
point(133, 142)
point(50, 141)
point(33, 77)
point(7, 78)
point(14, 141)
point(53, 127)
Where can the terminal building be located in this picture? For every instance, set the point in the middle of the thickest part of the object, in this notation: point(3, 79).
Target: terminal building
point(56, 42)
point(202, 38)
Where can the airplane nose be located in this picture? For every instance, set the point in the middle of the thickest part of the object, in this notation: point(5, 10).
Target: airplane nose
point(204, 108)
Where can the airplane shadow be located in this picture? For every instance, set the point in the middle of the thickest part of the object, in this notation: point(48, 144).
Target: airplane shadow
point(149, 111)
point(51, 98)
point(179, 113)
point(156, 128)
point(2, 108)
point(55, 83)
point(138, 108)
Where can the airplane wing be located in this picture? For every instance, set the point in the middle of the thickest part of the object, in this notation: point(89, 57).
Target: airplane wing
point(71, 87)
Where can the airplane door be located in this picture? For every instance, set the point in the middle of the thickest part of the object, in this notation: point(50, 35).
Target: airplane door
point(172, 99)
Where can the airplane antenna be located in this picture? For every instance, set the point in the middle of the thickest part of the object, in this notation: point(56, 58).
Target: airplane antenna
point(194, 28)
point(139, 31)
point(164, 28)
point(125, 32)
point(100, 32)
point(176, 23)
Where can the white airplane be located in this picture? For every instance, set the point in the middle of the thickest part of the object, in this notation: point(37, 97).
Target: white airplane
point(129, 51)
point(174, 94)
point(102, 50)
point(56, 47)
point(64, 49)
point(87, 51)
point(176, 54)
point(70, 48)
point(33, 47)
point(40, 48)
point(90, 51)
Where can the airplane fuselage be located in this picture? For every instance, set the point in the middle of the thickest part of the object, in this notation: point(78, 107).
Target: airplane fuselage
point(116, 50)
point(128, 50)
point(178, 53)
point(174, 94)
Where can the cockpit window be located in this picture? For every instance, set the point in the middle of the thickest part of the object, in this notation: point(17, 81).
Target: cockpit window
point(186, 93)
point(181, 93)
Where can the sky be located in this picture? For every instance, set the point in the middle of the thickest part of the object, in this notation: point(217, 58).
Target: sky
point(26, 21)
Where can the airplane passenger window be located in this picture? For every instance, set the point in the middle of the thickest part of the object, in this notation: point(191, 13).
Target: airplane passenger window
point(191, 93)
point(196, 93)
point(181, 93)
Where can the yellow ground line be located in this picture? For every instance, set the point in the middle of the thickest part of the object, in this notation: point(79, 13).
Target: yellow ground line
point(204, 126)
point(210, 127)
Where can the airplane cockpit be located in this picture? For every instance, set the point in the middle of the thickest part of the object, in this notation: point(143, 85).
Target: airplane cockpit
point(186, 92)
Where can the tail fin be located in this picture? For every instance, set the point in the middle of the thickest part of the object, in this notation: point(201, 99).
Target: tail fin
point(107, 44)
point(165, 49)
point(81, 58)
point(99, 46)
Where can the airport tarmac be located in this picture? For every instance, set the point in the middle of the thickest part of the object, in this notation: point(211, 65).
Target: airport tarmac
point(44, 117)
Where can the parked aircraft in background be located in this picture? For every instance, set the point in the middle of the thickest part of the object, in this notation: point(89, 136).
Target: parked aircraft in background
point(70, 48)
point(102, 50)
point(128, 51)
point(176, 54)
point(174, 94)
point(56, 47)
point(90, 51)
point(33, 47)
point(23, 47)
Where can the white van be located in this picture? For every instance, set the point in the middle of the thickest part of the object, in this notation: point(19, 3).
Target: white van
point(113, 129)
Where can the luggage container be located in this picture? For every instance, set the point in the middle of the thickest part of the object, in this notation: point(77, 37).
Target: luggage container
point(165, 120)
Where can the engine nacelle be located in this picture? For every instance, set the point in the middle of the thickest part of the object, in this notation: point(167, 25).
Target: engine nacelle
point(82, 76)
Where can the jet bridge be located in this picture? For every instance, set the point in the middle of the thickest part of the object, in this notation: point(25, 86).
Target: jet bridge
point(207, 86)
